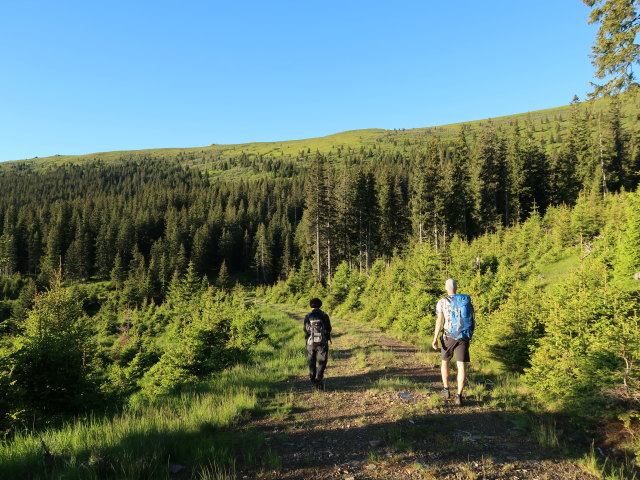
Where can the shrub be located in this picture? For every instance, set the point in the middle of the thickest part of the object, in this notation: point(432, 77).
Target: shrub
point(52, 362)
point(216, 332)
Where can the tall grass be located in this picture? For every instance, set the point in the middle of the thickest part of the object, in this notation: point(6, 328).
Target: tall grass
point(605, 470)
point(191, 431)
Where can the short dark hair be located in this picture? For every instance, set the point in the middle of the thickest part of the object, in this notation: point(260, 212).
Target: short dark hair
point(315, 303)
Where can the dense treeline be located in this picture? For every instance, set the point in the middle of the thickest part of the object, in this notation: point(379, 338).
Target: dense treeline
point(141, 221)
point(145, 218)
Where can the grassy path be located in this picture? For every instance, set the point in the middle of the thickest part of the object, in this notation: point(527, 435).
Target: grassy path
point(381, 417)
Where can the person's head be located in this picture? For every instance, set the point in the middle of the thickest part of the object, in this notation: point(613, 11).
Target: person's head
point(315, 303)
point(451, 286)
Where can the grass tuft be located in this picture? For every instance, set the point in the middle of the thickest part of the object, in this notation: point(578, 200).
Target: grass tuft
point(393, 384)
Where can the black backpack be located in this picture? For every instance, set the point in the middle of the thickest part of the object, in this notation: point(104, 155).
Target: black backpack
point(317, 332)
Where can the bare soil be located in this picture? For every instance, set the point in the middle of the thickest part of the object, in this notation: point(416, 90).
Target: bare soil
point(381, 417)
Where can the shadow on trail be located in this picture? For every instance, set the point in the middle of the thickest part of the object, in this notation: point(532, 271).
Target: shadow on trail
point(430, 438)
point(414, 378)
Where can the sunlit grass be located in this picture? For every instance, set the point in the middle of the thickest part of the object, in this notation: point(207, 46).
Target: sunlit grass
point(282, 406)
point(429, 358)
point(394, 383)
point(546, 433)
point(599, 467)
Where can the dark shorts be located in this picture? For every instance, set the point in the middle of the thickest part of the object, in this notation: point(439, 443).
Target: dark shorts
point(451, 346)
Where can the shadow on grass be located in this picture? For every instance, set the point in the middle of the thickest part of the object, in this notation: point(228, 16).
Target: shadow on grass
point(453, 436)
point(153, 455)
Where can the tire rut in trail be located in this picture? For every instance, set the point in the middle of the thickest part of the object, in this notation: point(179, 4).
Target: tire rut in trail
point(381, 417)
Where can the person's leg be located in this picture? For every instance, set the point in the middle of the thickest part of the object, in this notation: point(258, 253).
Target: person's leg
point(444, 370)
point(462, 376)
point(311, 360)
point(323, 354)
point(461, 351)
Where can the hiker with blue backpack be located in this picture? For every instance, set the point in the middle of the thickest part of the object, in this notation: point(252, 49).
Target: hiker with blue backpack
point(317, 329)
point(455, 314)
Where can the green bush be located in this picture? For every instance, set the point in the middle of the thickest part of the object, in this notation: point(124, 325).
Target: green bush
point(216, 331)
point(11, 395)
point(52, 361)
point(591, 343)
point(511, 333)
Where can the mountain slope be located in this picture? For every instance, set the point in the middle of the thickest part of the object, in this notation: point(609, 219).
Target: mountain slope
point(549, 125)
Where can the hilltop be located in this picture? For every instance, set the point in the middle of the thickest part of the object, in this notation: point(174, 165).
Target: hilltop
point(549, 126)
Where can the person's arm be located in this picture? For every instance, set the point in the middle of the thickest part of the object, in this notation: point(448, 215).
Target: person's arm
point(305, 326)
point(439, 321)
point(327, 327)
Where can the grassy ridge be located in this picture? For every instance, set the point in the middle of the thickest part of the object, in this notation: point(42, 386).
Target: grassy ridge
point(190, 430)
point(548, 124)
point(290, 148)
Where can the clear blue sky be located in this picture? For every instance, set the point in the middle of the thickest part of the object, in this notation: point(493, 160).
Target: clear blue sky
point(83, 76)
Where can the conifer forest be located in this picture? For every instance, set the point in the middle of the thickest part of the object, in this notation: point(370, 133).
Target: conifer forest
point(142, 292)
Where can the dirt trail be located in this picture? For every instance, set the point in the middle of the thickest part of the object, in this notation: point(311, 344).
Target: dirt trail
point(381, 417)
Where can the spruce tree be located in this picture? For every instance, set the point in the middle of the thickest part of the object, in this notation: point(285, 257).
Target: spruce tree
point(579, 146)
point(421, 194)
point(345, 225)
point(516, 191)
point(387, 209)
point(262, 256)
point(458, 199)
point(200, 254)
point(427, 204)
point(78, 258)
point(125, 240)
point(54, 249)
point(536, 177)
point(223, 280)
point(615, 50)
point(8, 256)
point(118, 274)
point(366, 217)
point(627, 261)
point(105, 250)
point(34, 248)
point(615, 141)
point(318, 212)
point(486, 178)
point(53, 361)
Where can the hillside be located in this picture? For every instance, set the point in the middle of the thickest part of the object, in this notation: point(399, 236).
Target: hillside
point(549, 125)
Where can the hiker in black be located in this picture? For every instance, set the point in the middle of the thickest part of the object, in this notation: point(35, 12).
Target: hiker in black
point(317, 329)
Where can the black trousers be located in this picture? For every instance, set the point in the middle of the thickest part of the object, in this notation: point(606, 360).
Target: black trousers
point(318, 353)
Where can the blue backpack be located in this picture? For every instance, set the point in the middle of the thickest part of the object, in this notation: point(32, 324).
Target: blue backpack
point(462, 316)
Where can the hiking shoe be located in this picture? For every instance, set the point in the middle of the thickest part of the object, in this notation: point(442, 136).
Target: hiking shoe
point(445, 394)
point(458, 401)
point(320, 385)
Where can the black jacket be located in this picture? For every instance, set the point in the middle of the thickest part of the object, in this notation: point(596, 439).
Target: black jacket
point(325, 321)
